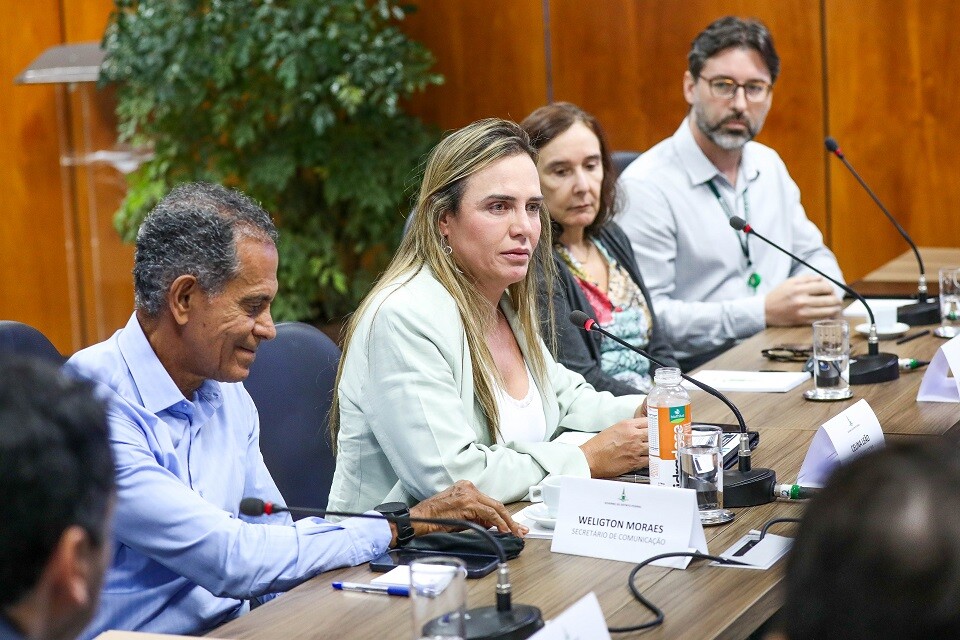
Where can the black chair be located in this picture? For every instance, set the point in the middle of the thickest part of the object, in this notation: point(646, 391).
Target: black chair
point(291, 382)
point(24, 340)
point(622, 158)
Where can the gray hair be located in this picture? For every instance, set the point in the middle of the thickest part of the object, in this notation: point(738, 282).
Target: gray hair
point(193, 231)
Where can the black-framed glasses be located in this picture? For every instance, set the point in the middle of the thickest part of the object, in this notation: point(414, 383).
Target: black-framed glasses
point(788, 352)
point(724, 88)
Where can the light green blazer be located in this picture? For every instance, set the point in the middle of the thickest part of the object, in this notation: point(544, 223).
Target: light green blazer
point(410, 425)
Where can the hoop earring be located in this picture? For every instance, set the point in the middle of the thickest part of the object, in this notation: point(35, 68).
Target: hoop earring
point(445, 246)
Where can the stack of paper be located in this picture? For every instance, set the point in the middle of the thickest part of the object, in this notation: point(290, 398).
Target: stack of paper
point(755, 381)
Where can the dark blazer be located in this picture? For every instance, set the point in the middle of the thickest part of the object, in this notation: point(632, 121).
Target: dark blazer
point(580, 351)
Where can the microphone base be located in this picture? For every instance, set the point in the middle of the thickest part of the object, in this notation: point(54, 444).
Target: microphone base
point(486, 623)
point(748, 489)
point(870, 369)
point(919, 313)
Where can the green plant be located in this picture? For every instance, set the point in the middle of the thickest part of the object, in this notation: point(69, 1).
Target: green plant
point(294, 102)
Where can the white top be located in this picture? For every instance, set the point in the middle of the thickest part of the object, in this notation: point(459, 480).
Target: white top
point(691, 259)
point(521, 420)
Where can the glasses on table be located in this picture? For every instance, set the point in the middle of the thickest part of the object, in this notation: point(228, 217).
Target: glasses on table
point(789, 352)
point(724, 88)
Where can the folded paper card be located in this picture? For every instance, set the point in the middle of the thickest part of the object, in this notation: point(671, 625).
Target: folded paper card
point(853, 432)
point(937, 384)
point(628, 522)
point(583, 619)
point(749, 381)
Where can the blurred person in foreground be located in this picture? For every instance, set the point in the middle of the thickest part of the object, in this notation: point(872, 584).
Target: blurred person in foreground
point(56, 479)
point(596, 268)
point(186, 435)
point(712, 286)
point(877, 554)
point(444, 374)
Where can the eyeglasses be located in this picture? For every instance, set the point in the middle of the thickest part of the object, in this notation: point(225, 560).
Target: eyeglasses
point(724, 88)
point(788, 352)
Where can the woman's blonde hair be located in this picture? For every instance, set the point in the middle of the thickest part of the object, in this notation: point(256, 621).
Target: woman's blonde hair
point(458, 156)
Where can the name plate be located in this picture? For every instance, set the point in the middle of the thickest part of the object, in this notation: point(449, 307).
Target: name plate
point(626, 521)
point(937, 384)
point(583, 619)
point(851, 433)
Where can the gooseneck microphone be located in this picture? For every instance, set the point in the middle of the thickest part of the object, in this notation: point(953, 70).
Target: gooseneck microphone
point(743, 487)
point(502, 622)
point(873, 367)
point(922, 312)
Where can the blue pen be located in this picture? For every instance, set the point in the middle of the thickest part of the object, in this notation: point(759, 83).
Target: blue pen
point(383, 589)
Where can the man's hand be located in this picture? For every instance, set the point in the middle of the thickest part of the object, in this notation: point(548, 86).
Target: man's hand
point(618, 449)
point(465, 502)
point(801, 300)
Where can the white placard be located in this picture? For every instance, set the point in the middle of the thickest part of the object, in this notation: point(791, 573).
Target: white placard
point(583, 620)
point(937, 385)
point(853, 432)
point(626, 521)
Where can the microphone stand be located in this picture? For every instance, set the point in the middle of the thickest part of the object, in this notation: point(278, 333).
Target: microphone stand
point(868, 369)
point(742, 487)
point(502, 622)
point(921, 312)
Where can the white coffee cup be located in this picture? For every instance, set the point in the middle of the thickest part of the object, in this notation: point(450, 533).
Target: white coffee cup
point(886, 317)
point(547, 492)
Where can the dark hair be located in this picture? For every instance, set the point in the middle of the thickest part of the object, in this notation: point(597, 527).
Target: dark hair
point(548, 122)
point(56, 469)
point(192, 230)
point(878, 552)
point(732, 31)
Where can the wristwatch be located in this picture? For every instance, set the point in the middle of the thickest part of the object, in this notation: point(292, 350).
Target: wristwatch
point(401, 511)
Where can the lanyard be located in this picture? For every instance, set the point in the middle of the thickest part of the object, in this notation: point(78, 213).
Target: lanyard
point(753, 281)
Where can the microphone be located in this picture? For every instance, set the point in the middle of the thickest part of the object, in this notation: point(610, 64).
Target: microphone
point(873, 367)
point(921, 312)
point(743, 487)
point(502, 622)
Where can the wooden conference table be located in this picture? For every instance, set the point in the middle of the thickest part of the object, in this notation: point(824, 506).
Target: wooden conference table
point(700, 602)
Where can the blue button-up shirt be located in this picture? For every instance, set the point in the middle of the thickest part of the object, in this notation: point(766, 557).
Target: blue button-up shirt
point(184, 559)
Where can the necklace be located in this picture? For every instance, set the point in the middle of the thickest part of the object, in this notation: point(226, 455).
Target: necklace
point(753, 280)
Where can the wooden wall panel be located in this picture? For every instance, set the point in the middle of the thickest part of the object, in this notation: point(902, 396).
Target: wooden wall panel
point(491, 53)
point(625, 64)
point(893, 94)
point(36, 262)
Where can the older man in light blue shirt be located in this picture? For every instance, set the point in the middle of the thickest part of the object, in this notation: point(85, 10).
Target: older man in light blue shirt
point(185, 433)
point(713, 286)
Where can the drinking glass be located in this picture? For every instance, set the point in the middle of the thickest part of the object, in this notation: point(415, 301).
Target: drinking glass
point(831, 361)
point(701, 469)
point(949, 303)
point(438, 598)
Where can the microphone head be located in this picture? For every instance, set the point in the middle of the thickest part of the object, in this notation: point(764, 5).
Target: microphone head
point(252, 507)
point(738, 223)
point(831, 144)
point(581, 319)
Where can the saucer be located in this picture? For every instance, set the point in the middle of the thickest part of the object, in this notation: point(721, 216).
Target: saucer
point(538, 513)
point(895, 330)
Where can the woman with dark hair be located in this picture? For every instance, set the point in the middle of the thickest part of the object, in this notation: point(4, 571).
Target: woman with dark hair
point(597, 272)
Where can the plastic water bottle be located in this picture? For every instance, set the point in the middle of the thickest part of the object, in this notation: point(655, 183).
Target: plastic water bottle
point(668, 412)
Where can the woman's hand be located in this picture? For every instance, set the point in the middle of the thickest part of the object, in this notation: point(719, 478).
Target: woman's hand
point(618, 449)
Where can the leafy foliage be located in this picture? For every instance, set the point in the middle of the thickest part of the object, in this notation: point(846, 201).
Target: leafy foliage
point(294, 102)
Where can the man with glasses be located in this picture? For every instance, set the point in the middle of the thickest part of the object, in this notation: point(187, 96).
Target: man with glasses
point(711, 286)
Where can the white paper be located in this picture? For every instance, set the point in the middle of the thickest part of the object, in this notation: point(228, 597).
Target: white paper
point(856, 309)
point(626, 521)
point(583, 620)
point(937, 384)
point(847, 435)
point(762, 555)
point(753, 381)
point(398, 576)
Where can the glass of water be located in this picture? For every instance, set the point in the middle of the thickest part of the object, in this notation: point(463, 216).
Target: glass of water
point(438, 598)
point(949, 303)
point(831, 361)
point(701, 469)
